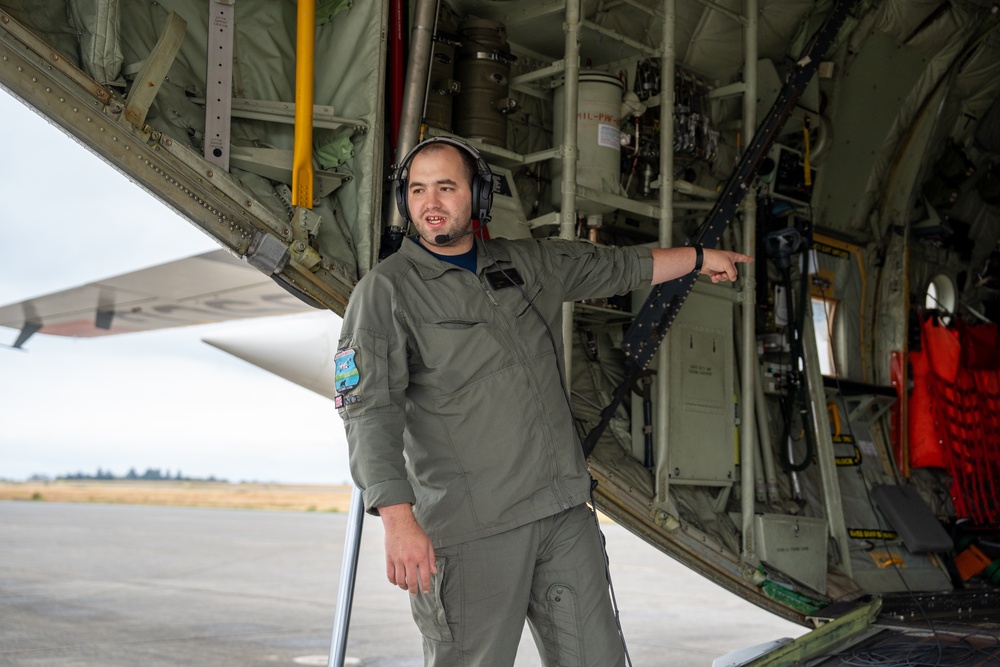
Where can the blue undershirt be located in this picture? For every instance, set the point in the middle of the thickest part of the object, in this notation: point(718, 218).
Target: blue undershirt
point(467, 260)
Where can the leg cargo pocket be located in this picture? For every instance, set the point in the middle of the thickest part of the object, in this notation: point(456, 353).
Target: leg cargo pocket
point(428, 608)
point(564, 616)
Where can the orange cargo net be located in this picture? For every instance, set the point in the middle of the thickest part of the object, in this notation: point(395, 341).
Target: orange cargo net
point(954, 414)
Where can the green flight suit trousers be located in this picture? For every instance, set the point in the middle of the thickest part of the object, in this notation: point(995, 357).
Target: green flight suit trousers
point(550, 572)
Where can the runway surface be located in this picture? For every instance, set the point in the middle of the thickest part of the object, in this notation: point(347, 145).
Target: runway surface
point(118, 585)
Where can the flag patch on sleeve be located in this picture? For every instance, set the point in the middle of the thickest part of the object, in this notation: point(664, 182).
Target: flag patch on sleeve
point(344, 401)
point(347, 376)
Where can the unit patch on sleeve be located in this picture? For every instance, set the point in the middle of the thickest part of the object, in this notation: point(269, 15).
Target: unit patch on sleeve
point(347, 376)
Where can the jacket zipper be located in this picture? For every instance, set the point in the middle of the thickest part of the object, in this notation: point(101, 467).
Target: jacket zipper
point(512, 340)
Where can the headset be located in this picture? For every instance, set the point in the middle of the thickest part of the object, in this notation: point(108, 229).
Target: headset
point(482, 180)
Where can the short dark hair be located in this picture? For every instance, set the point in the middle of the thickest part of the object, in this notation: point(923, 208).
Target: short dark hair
point(469, 164)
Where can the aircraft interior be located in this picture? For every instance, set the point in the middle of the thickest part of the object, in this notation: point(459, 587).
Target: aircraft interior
point(821, 437)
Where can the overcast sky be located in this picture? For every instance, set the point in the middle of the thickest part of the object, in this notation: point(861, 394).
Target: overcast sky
point(145, 400)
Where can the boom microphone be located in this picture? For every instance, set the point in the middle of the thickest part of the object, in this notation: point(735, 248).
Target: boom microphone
point(442, 239)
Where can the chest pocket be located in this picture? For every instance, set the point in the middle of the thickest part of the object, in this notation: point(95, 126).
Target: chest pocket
point(454, 353)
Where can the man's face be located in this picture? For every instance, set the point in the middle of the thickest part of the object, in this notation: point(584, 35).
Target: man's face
point(440, 200)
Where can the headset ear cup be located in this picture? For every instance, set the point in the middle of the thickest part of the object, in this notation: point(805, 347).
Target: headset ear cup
point(477, 197)
point(482, 197)
point(399, 189)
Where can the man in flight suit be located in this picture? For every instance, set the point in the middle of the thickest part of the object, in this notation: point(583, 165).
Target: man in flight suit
point(459, 425)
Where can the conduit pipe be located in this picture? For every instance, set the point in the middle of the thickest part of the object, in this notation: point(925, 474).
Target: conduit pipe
point(668, 64)
point(415, 86)
point(765, 476)
point(748, 356)
point(567, 219)
point(764, 433)
point(396, 65)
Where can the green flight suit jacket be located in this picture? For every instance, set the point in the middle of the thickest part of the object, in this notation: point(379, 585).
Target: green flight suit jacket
point(449, 387)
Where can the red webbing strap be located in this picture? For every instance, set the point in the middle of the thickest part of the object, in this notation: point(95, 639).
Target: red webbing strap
point(988, 386)
point(926, 449)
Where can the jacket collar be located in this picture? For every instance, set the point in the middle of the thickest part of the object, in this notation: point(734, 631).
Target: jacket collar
point(430, 267)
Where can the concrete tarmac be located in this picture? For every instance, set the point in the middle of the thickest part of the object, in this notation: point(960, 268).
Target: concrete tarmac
point(118, 585)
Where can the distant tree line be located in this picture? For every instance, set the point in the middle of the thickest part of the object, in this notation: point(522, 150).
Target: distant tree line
point(151, 474)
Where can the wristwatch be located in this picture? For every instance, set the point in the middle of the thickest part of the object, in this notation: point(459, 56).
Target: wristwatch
point(699, 257)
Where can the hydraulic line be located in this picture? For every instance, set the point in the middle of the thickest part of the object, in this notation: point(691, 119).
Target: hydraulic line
point(796, 393)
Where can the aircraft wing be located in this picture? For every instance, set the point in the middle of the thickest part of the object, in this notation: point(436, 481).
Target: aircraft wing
point(206, 288)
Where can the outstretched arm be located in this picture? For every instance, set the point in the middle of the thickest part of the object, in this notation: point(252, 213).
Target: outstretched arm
point(672, 263)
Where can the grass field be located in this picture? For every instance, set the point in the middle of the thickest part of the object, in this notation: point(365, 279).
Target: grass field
point(296, 498)
point(184, 494)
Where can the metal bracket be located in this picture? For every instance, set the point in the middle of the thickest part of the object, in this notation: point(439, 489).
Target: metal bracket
point(104, 318)
point(147, 84)
point(219, 82)
point(29, 329)
point(870, 408)
point(268, 253)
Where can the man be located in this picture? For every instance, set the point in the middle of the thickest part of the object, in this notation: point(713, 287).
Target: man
point(459, 426)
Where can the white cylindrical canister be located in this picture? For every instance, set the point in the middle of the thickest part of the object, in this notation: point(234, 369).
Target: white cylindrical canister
point(598, 132)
